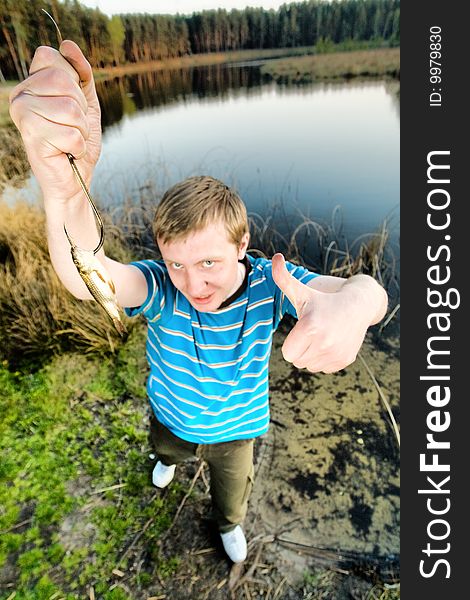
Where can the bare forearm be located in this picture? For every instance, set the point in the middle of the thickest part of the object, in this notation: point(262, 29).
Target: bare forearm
point(77, 215)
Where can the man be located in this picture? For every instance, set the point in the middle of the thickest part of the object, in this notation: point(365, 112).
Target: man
point(211, 308)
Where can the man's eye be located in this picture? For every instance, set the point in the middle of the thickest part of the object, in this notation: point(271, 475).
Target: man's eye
point(208, 263)
point(177, 266)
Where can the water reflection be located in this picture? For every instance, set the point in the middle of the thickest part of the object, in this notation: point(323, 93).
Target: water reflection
point(152, 89)
point(126, 95)
point(290, 149)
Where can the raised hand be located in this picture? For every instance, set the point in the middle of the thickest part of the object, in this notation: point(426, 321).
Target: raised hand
point(56, 110)
point(331, 325)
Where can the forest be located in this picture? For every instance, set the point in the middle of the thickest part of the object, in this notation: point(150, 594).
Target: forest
point(131, 38)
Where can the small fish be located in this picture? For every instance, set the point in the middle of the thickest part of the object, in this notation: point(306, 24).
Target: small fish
point(98, 282)
point(90, 269)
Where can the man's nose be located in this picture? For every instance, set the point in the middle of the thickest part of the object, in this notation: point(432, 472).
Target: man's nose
point(195, 284)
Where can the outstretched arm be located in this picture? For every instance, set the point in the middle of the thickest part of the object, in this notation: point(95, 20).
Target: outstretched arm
point(56, 110)
point(333, 317)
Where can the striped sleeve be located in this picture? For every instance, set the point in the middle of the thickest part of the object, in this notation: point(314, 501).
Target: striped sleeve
point(282, 304)
point(304, 276)
point(155, 275)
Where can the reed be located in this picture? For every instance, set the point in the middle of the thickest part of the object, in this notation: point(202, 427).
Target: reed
point(324, 249)
point(38, 316)
point(13, 161)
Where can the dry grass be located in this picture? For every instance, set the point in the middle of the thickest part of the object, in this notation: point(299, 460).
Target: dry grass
point(37, 314)
point(5, 89)
point(361, 63)
point(323, 249)
point(13, 161)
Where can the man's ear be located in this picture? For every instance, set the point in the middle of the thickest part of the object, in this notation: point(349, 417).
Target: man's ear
point(243, 247)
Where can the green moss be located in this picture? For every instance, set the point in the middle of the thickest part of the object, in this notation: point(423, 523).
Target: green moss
point(31, 562)
point(71, 429)
point(55, 554)
point(12, 541)
point(168, 567)
point(116, 594)
point(73, 559)
point(144, 579)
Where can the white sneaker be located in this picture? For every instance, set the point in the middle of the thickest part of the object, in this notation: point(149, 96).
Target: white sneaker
point(235, 544)
point(162, 475)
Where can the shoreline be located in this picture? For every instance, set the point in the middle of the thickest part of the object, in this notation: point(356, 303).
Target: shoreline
point(297, 65)
point(220, 58)
point(201, 60)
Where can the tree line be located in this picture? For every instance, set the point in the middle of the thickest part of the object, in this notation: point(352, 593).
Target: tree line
point(129, 38)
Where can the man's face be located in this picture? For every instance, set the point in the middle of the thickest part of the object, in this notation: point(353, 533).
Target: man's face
point(204, 266)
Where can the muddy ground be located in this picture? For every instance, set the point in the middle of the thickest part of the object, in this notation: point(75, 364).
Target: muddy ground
point(323, 520)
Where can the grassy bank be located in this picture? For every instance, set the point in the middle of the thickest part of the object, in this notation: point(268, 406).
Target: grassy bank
point(378, 61)
point(383, 62)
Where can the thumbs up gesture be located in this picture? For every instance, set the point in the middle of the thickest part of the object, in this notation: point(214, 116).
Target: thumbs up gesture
point(332, 323)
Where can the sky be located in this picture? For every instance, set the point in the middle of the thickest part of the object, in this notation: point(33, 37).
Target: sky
point(110, 7)
point(172, 7)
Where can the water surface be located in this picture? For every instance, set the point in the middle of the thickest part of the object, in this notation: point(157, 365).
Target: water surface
point(288, 150)
point(309, 148)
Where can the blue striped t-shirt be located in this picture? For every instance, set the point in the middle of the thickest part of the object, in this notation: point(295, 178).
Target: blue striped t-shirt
point(208, 378)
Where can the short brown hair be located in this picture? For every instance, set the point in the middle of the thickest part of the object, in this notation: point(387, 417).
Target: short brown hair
point(196, 202)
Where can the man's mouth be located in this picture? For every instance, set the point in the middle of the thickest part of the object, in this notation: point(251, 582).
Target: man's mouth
point(203, 299)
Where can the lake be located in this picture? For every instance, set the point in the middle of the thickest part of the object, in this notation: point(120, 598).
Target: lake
point(288, 150)
point(305, 148)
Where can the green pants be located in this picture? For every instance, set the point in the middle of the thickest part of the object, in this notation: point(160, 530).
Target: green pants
point(230, 466)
